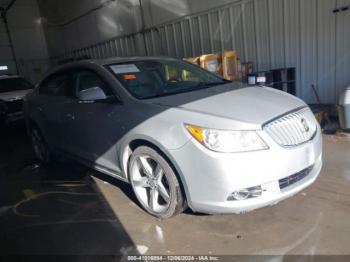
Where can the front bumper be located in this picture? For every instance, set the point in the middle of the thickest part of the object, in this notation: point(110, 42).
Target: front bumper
point(209, 177)
point(11, 111)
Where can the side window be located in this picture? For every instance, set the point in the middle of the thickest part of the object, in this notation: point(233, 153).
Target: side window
point(55, 85)
point(86, 79)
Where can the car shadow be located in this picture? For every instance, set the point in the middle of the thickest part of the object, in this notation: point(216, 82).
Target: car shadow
point(55, 210)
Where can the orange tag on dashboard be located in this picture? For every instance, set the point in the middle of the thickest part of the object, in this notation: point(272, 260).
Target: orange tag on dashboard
point(129, 77)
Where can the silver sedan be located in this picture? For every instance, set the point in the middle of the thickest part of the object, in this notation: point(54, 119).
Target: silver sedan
point(181, 136)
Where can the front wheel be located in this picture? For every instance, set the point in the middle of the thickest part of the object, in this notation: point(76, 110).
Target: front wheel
point(155, 184)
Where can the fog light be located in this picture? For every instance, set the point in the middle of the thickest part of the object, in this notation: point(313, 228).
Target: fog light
point(240, 195)
point(246, 193)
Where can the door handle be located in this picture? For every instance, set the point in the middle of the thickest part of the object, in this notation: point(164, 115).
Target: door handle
point(70, 116)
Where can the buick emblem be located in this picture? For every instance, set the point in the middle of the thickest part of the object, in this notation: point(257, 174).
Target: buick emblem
point(305, 125)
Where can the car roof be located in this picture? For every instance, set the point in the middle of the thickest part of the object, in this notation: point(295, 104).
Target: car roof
point(103, 62)
point(112, 60)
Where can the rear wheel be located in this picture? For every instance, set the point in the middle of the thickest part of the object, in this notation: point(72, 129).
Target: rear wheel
point(40, 147)
point(155, 184)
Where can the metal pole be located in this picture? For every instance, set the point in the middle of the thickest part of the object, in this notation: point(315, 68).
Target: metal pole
point(143, 27)
point(4, 18)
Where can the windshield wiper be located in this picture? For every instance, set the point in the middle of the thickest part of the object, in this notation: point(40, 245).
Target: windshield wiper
point(210, 84)
point(199, 86)
point(217, 83)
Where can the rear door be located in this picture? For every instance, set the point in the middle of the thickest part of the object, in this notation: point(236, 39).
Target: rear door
point(49, 105)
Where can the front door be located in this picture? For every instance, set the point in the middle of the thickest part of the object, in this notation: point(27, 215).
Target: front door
point(92, 128)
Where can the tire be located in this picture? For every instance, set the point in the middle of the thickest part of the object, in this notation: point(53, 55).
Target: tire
point(155, 184)
point(40, 146)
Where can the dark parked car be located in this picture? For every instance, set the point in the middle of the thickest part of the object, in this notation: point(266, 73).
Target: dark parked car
point(12, 91)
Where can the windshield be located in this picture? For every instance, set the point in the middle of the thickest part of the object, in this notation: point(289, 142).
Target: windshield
point(14, 84)
point(162, 77)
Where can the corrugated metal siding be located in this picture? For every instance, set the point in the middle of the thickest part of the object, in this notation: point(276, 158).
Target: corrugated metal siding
point(308, 34)
point(271, 33)
point(326, 52)
point(343, 48)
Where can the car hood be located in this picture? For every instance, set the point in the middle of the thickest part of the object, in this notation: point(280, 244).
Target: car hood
point(14, 95)
point(255, 105)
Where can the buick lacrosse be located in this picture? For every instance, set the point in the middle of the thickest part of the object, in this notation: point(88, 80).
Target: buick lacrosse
point(180, 135)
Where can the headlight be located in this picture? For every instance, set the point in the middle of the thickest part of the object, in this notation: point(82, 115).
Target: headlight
point(227, 141)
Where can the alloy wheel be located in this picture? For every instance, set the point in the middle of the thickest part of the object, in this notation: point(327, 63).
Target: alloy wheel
point(150, 184)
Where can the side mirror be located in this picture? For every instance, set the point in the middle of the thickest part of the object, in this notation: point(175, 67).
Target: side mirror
point(92, 94)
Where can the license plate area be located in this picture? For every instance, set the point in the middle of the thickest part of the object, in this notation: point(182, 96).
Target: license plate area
point(291, 180)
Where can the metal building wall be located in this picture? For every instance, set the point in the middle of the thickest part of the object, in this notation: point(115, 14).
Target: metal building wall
point(305, 34)
point(28, 41)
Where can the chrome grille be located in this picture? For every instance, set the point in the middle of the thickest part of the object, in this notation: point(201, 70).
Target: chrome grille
point(293, 129)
